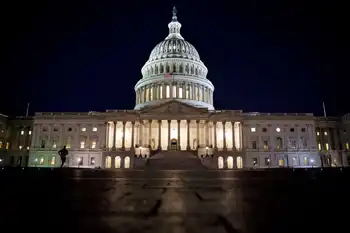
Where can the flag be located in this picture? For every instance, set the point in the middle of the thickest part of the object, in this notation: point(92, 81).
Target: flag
point(167, 75)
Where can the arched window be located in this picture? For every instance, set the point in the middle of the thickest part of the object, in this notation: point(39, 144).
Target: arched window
point(161, 69)
point(192, 70)
point(152, 70)
point(174, 67)
point(230, 162)
point(167, 67)
point(156, 69)
point(196, 71)
point(127, 162)
point(187, 69)
point(220, 162)
point(239, 162)
point(117, 162)
point(108, 162)
point(181, 68)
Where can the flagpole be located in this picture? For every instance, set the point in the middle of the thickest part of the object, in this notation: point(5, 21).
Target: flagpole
point(324, 109)
point(27, 109)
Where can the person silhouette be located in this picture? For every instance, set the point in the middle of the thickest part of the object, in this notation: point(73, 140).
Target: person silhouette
point(63, 154)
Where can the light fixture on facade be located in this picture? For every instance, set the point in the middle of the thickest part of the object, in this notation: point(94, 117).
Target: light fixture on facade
point(278, 129)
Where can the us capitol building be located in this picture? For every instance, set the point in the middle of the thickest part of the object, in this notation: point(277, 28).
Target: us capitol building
point(174, 116)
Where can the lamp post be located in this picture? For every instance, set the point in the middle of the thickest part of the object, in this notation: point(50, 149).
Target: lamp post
point(1, 164)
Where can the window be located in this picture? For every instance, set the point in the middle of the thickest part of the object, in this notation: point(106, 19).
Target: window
point(295, 162)
point(27, 147)
point(93, 144)
point(264, 130)
point(318, 133)
point(255, 161)
point(325, 133)
point(319, 146)
point(293, 143)
point(281, 162)
point(279, 143)
point(55, 129)
point(92, 161)
point(80, 161)
point(94, 129)
point(220, 162)
point(180, 92)
point(53, 160)
point(306, 161)
point(22, 132)
point(267, 161)
point(7, 145)
point(108, 162)
point(117, 162)
point(252, 129)
point(20, 147)
point(83, 129)
point(266, 145)
point(291, 129)
point(278, 130)
point(303, 130)
point(127, 162)
point(44, 129)
point(30, 132)
point(82, 144)
point(69, 141)
point(239, 162)
point(254, 144)
point(43, 142)
point(230, 162)
point(41, 162)
point(327, 146)
point(347, 146)
point(54, 144)
point(0, 144)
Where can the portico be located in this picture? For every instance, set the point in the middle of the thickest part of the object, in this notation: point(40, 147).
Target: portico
point(174, 131)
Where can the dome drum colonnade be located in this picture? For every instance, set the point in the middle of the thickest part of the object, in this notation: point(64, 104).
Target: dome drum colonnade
point(174, 71)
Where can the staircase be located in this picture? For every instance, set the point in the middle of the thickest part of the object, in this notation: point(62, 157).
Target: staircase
point(174, 160)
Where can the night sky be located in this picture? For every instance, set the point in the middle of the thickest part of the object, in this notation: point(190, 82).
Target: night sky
point(266, 56)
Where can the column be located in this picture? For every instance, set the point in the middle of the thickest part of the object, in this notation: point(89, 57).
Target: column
point(140, 132)
point(150, 133)
point(123, 137)
point(188, 135)
point(233, 136)
point(215, 136)
point(107, 134)
point(197, 133)
point(159, 134)
point(178, 135)
point(114, 133)
point(169, 121)
point(62, 135)
point(224, 133)
point(132, 134)
point(207, 133)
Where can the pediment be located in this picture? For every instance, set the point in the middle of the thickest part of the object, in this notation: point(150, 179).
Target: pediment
point(173, 107)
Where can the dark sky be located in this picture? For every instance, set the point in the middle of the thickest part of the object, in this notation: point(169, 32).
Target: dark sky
point(267, 56)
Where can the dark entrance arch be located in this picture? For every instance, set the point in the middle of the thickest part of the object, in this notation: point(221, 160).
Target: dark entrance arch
point(173, 144)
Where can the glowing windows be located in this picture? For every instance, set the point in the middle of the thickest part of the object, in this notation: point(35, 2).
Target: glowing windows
point(220, 162)
point(93, 144)
point(127, 162)
point(117, 162)
point(94, 129)
point(278, 129)
point(253, 129)
point(230, 162)
point(239, 162)
point(83, 129)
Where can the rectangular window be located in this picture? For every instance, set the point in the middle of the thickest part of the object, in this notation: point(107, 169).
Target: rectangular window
point(7, 145)
point(69, 141)
point(82, 144)
point(53, 161)
point(254, 144)
point(266, 146)
point(319, 146)
point(180, 92)
point(94, 129)
point(92, 161)
point(80, 161)
point(54, 144)
point(295, 162)
point(306, 161)
point(327, 146)
point(267, 161)
point(93, 144)
point(255, 161)
point(347, 146)
point(41, 162)
point(22, 132)
point(30, 132)
point(0, 144)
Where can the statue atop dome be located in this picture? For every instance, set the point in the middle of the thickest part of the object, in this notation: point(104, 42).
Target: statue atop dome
point(174, 14)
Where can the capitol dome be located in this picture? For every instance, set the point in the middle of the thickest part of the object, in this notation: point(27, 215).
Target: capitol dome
point(174, 71)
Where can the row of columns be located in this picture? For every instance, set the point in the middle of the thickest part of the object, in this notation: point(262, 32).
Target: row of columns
point(190, 91)
point(169, 133)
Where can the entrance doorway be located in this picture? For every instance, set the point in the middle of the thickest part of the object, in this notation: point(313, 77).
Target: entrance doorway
point(173, 145)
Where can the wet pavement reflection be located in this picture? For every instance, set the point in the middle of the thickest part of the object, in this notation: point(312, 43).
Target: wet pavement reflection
point(73, 200)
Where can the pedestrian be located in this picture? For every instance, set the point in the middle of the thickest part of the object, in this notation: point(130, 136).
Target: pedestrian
point(63, 154)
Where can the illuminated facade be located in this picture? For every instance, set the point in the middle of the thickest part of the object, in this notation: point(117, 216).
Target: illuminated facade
point(174, 111)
